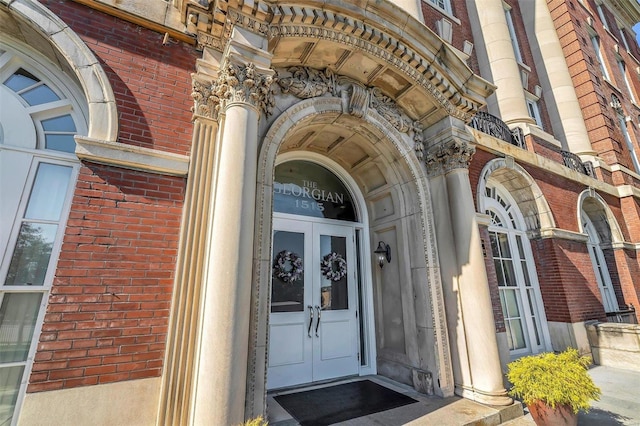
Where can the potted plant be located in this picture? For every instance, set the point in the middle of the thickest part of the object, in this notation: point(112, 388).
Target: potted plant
point(555, 387)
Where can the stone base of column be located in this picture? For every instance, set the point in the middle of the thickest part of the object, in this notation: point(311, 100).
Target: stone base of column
point(499, 397)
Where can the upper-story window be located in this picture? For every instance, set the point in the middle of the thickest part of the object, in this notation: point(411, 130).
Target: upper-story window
point(512, 34)
point(595, 41)
point(625, 77)
point(623, 36)
point(534, 111)
point(603, 18)
point(444, 5)
point(622, 121)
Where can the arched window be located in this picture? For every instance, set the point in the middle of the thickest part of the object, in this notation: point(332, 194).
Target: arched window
point(520, 298)
point(38, 168)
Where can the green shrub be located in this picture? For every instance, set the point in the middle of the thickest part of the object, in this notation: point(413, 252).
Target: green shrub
point(555, 379)
point(258, 421)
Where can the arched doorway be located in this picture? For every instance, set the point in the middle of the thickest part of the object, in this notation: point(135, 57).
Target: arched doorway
point(319, 287)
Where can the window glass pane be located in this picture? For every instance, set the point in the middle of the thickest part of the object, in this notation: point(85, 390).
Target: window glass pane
point(525, 272)
point(499, 273)
point(18, 316)
point(509, 273)
point(505, 250)
point(59, 124)
point(518, 334)
point(520, 248)
point(494, 244)
point(511, 299)
point(20, 80)
point(10, 379)
point(534, 310)
point(31, 255)
point(503, 304)
point(333, 288)
point(49, 192)
point(40, 95)
point(287, 288)
point(63, 143)
point(305, 188)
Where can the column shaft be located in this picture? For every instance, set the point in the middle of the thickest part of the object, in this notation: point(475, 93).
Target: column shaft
point(473, 293)
point(501, 66)
point(222, 363)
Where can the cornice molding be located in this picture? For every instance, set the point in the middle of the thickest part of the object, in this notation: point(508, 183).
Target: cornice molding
point(131, 157)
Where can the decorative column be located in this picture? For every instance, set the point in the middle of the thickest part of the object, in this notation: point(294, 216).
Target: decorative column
point(481, 378)
point(243, 88)
point(498, 61)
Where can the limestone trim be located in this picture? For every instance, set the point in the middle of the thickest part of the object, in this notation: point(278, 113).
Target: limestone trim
point(604, 214)
point(277, 133)
point(305, 82)
point(557, 233)
point(103, 114)
point(531, 201)
point(131, 157)
point(448, 156)
point(235, 83)
point(403, 42)
point(495, 146)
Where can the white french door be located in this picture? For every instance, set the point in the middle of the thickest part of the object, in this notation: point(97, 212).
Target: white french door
point(313, 327)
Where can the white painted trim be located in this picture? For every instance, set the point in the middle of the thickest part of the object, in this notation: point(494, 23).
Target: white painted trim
point(103, 114)
point(131, 157)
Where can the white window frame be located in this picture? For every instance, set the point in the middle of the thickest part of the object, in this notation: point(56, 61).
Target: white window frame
point(609, 299)
point(444, 5)
point(500, 205)
point(595, 41)
point(627, 138)
point(602, 16)
point(512, 34)
point(534, 110)
point(623, 70)
point(10, 61)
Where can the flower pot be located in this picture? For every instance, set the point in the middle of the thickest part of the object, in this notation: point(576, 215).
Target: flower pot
point(544, 415)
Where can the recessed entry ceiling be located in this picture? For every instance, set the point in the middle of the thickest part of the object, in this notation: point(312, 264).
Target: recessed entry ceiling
point(360, 66)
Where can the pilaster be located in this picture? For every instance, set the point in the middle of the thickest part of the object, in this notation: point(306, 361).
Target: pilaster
point(467, 297)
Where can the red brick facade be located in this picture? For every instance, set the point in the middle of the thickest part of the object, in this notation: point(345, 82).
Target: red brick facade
point(109, 306)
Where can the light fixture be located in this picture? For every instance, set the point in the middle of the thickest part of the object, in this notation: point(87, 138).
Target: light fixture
point(383, 252)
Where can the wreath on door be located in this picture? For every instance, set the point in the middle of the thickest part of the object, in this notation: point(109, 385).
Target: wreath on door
point(287, 266)
point(333, 266)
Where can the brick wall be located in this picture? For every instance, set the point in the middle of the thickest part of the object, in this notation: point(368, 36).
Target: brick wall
point(151, 82)
point(567, 281)
point(108, 311)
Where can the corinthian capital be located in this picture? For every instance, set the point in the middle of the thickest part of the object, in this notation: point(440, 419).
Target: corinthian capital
point(205, 98)
point(246, 84)
point(450, 155)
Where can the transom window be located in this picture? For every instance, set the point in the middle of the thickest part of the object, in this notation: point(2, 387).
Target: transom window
point(38, 120)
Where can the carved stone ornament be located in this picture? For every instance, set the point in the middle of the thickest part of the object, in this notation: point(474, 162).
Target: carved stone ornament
point(307, 82)
point(304, 83)
point(454, 154)
point(235, 83)
point(206, 100)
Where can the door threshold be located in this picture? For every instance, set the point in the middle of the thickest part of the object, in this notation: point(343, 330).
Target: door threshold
point(313, 385)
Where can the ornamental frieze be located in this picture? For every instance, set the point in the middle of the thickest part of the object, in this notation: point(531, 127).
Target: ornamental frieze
point(451, 155)
point(305, 83)
point(235, 83)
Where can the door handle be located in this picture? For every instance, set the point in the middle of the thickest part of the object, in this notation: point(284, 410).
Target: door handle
point(310, 319)
point(318, 323)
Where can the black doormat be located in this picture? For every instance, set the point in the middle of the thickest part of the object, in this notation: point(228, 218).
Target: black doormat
point(338, 403)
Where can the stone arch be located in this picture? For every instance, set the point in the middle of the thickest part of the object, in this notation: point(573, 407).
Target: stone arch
point(522, 187)
point(411, 181)
point(62, 46)
point(603, 220)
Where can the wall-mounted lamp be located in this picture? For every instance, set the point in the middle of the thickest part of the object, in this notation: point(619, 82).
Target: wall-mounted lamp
point(383, 252)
